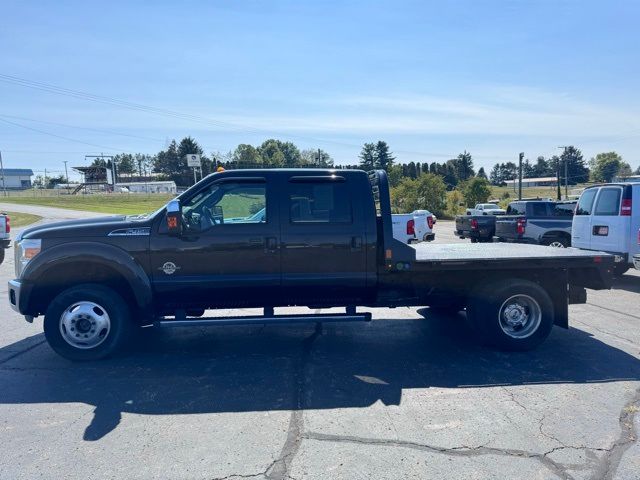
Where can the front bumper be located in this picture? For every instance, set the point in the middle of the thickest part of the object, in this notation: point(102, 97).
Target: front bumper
point(13, 288)
point(636, 261)
point(19, 292)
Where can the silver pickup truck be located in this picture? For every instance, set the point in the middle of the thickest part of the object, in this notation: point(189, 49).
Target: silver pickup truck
point(5, 234)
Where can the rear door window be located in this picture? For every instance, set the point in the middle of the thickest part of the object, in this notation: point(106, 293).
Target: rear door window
point(608, 202)
point(539, 209)
point(516, 209)
point(585, 204)
point(563, 209)
point(324, 202)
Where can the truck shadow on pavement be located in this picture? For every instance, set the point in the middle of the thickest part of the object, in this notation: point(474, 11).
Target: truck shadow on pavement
point(240, 369)
point(629, 282)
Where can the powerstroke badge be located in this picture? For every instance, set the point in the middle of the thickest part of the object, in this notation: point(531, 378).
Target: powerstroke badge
point(169, 268)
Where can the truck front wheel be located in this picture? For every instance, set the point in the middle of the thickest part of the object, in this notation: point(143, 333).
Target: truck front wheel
point(87, 322)
point(512, 314)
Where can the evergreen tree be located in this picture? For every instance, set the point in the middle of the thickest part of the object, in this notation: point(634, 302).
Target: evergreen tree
point(464, 166)
point(368, 157)
point(412, 170)
point(383, 156)
point(577, 171)
point(481, 173)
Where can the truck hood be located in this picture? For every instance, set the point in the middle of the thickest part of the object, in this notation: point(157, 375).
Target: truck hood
point(89, 227)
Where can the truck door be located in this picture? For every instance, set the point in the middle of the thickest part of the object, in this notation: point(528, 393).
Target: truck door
point(581, 226)
point(609, 229)
point(323, 241)
point(228, 253)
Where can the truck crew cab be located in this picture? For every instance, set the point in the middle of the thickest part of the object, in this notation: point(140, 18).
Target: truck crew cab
point(269, 238)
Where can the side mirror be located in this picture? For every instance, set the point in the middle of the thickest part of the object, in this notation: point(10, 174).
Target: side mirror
point(174, 218)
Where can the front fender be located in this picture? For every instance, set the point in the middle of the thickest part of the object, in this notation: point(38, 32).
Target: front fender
point(93, 252)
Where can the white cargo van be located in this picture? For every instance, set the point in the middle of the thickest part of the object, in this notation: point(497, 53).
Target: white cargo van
point(607, 219)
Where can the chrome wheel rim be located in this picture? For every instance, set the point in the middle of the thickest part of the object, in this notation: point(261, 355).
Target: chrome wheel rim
point(85, 325)
point(556, 244)
point(520, 316)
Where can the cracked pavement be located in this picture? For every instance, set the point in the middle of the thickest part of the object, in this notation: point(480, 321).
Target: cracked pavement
point(409, 395)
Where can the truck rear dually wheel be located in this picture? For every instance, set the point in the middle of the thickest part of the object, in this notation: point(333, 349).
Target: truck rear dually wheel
point(87, 322)
point(512, 314)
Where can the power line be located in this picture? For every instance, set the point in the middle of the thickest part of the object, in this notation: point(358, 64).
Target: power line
point(58, 136)
point(110, 132)
point(49, 88)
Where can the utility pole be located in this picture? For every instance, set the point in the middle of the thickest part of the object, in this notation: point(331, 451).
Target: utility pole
point(520, 157)
point(558, 180)
point(566, 172)
point(319, 157)
point(45, 179)
point(66, 174)
point(4, 187)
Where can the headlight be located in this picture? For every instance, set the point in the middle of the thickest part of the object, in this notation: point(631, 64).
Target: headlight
point(25, 250)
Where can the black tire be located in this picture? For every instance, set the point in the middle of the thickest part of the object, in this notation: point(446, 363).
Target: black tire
point(119, 331)
point(620, 269)
point(1, 254)
point(558, 242)
point(474, 240)
point(486, 304)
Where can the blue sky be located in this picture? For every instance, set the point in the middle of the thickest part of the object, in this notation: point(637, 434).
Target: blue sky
point(430, 78)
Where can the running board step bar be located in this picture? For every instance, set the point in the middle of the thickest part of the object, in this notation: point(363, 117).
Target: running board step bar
point(263, 320)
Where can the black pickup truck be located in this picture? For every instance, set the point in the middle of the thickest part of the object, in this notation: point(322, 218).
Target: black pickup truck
point(540, 222)
point(477, 228)
point(270, 238)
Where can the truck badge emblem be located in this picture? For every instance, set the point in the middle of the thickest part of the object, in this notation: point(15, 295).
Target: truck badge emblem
point(169, 268)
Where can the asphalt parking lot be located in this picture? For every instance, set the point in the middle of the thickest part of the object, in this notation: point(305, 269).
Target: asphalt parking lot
point(409, 395)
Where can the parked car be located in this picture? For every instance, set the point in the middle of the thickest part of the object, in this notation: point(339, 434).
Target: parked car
point(327, 242)
point(607, 219)
point(413, 227)
point(477, 228)
point(537, 222)
point(5, 234)
point(485, 209)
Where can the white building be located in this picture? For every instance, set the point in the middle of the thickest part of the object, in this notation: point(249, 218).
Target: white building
point(534, 182)
point(16, 178)
point(147, 187)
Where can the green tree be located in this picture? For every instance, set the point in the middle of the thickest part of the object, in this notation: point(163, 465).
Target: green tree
point(125, 164)
point(395, 175)
point(625, 170)
point(246, 155)
point(271, 153)
point(475, 190)
point(542, 168)
point(368, 157)
point(316, 158)
point(428, 192)
point(383, 156)
point(454, 199)
point(577, 171)
point(463, 166)
point(605, 166)
point(481, 173)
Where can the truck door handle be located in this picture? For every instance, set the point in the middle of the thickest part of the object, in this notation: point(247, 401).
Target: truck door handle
point(271, 244)
point(356, 243)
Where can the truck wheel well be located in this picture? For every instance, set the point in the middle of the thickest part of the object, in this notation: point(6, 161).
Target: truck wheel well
point(59, 278)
